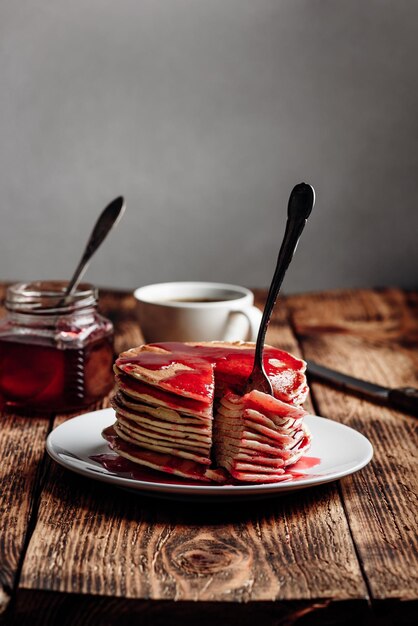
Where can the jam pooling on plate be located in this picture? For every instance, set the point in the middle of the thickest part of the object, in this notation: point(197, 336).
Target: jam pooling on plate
point(46, 377)
point(128, 469)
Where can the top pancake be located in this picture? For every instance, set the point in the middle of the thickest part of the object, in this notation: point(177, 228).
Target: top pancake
point(189, 370)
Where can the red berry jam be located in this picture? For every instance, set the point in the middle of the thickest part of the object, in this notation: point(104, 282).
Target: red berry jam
point(55, 354)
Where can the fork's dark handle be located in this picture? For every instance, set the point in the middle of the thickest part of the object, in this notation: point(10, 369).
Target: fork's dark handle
point(300, 205)
point(404, 398)
point(105, 222)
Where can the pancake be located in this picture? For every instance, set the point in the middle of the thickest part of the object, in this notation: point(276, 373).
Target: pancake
point(162, 462)
point(152, 420)
point(164, 433)
point(153, 396)
point(180, 442)
point(170, 372)
point(146, 444)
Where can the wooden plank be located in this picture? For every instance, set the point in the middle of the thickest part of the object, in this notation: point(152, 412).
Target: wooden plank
point(93, 539)
point(22, 442)
point(372, 335)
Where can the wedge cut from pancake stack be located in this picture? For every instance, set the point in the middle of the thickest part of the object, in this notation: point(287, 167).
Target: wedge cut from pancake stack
point(179, 410)
point(256, 437)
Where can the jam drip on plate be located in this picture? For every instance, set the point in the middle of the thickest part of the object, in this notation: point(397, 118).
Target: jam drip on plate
point(124, 468)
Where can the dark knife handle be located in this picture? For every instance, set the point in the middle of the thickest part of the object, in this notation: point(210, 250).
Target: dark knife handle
point(404, 398)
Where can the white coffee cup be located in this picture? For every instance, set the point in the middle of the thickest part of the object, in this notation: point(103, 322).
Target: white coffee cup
point(197, 311)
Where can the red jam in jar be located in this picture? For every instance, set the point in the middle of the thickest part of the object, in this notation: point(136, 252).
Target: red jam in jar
point(56, 354)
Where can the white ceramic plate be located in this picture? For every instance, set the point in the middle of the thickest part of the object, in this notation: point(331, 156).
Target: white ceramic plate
point(336, 451)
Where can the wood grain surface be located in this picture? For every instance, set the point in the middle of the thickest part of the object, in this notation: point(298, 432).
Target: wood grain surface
point(94, 554)
point(22, 452)
point(372, 335)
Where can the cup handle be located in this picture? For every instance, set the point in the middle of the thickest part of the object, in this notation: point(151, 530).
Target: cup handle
point(253, 315)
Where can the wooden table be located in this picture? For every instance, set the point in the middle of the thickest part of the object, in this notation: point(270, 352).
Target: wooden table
point(75, 551)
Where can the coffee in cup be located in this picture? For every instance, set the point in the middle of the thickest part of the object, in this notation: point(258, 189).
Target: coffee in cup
point(197, 311)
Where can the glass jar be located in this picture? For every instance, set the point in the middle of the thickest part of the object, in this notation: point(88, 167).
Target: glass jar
point(56, 354)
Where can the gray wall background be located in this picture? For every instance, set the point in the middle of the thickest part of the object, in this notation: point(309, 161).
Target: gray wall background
point(204, 114)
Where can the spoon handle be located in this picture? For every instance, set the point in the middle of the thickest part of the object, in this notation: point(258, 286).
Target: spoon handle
point(107, 219)
point(301, 201)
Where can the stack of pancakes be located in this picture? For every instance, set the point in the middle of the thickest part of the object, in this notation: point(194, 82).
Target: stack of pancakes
point(167, 397)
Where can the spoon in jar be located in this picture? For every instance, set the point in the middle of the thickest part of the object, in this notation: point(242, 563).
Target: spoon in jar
point(301, 202)
point(106, 221)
